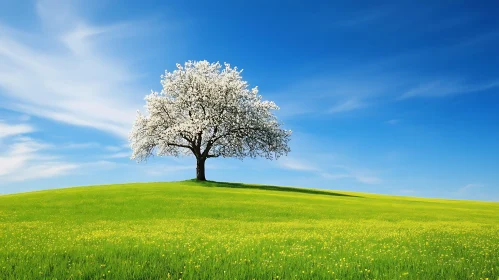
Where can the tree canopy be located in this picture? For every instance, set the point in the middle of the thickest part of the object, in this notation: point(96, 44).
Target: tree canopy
point(208, 112)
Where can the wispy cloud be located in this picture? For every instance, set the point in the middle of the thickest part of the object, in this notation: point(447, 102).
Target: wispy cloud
point(76, 83)
point(113, 148)
point(348, 105)
point(91, 145)
point(360, 175)
point(346, 91)
point(121, 155)
point(335, 176)
point(87, 145)
point(295, 164)
point(7, 130)
point(22, 160)
point(387, 78)
point(469, 187)
point(43, 170)
point(469, 191)
point(441, 88)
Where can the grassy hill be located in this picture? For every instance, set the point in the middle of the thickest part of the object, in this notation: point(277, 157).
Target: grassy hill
point(213, 230)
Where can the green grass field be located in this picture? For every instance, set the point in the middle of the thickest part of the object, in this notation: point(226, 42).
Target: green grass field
point(212, 230)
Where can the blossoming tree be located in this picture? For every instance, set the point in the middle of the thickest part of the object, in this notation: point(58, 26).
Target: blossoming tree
point(207, 112)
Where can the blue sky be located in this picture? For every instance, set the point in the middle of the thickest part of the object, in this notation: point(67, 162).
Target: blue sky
point(392, 97)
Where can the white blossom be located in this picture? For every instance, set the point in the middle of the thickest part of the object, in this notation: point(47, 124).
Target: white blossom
point(207, 111)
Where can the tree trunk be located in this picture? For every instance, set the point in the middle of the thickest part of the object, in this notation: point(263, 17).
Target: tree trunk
point(200, 175)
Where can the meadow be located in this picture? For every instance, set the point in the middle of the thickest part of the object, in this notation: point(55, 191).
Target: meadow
point(191, 230)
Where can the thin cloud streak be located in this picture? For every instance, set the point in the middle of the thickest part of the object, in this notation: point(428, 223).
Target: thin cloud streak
point(349, 105)
point(22, 160)
point(77, 84)
point(469, 187)
point(445, 88)
point(383, 80)
point(362, 176)
point(7, 130)
point(121, 155)
point(294, 164)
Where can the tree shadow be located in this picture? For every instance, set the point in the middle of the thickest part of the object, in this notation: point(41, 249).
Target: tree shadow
point(214, 184)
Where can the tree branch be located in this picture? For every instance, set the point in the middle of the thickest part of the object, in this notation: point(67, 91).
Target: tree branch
point(212, 156)
point(179, 145)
